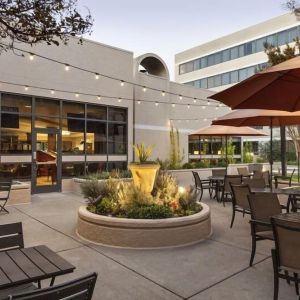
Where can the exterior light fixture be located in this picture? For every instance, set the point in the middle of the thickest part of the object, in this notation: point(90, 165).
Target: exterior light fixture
point(203, 107)
point(195, 100)
point(208, 102)
point(188, 106)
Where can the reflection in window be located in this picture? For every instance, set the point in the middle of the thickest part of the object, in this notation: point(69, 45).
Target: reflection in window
point(96, 167)
point(16, 104)
point(116, 165)
point(72, 136)
point(20, 171)
point(117, 139)
point(96, 112)
point(46, 122)
point(117, 114)
point(96, 137)
point(47, 107)
point(72, 169)
point(73, 110)
point(15, 134)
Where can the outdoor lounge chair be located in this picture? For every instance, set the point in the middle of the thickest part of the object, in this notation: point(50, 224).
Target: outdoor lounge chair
point(78, 289)
point(11, 236)
point(226, 189)
point(255, 183)
point(5, 188)
point(202, 185)
point(286, 255)
point(262, 207)
point(284, 180)
point(240, 200)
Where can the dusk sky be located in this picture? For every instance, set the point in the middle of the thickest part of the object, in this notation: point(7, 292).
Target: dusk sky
point(166, 27)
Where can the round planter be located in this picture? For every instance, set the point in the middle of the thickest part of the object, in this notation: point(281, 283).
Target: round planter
point(144, 175)
point(142, 233)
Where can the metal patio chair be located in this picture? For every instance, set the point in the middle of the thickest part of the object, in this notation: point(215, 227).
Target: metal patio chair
point(255, 183)
point(284, 180)
point(11, 236)
point(202, 185)
point(5, 188)
point(226, 188)
point(262, 207)
point(78, 289)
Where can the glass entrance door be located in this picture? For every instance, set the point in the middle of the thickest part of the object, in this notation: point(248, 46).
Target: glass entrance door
point(46, 161)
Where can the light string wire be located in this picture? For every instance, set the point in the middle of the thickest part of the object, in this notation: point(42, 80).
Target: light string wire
point(97, 75)
point(99, 97)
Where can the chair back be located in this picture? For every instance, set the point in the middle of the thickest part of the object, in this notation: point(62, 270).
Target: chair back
point(266, 177)
point(5, 188)
point(240, 195)
point(231, 179)
point(197, 179)
point(218, 172)
point(262, 207)
point(78, 289)
point(11, 236)
point(255, 167)
point(243, 171)
point(257, 174)
point(287, 242)
point(258, 183)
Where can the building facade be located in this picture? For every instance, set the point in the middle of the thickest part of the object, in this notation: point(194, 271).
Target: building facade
point(228, 60)
point(60, 121)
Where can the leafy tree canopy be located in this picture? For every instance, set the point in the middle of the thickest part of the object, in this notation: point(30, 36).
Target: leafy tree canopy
point(36, 21)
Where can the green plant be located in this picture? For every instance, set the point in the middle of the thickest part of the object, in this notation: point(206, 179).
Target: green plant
point(106, 206)
point(202, 164)
point(175, 157)
point(154, 211)
point(247, 153)
point(165, 188)
point(230, 151)
point(188, 202)
point(164, 164)
point(142, 152)
point(187, 165)
point(92, 191)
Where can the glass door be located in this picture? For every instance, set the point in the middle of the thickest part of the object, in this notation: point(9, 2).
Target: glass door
point(46, 161)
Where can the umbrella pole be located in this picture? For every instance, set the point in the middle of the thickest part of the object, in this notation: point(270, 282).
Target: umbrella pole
point(226, 153)
point(271, 152)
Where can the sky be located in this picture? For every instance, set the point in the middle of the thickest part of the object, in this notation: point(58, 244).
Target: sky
point(166, 27)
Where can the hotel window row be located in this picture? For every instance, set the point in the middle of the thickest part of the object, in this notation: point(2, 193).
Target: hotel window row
point(257, 45)
point(226, 78)
point(86, 130)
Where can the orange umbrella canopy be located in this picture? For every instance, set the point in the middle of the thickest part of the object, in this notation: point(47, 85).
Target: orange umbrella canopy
point(277, 88)
point(218, 130)
point(255, 117)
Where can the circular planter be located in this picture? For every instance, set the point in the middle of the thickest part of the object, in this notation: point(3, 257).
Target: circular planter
point(142, 233)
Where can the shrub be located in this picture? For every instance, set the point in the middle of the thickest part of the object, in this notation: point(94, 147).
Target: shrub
point(165, 188)
point(154, 211)
point(201, 164)
point(142, 152)
point(188, 202)
point(106, 206)
point(187, 166)
point(92, 190)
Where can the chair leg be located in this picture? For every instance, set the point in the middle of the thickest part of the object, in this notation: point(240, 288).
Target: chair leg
point(287, 277)
point(233, 217)
point(276, 278)
point(201, 194)
point(296, 283)
point(253, 250)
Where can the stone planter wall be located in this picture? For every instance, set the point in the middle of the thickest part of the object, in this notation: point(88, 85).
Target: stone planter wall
point(141, 233)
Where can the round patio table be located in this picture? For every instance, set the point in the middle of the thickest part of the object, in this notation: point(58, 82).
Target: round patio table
point(291, 217)
point(217, 182)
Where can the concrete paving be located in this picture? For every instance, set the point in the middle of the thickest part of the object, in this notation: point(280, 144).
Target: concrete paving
point(213, 269)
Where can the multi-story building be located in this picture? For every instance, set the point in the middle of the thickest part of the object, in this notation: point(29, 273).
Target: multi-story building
point(230, 59)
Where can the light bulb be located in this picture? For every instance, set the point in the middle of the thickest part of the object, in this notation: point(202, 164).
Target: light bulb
point(122, 83)
point(96, 76)
point(188, 106)
point(156, 103)
point(76, 95)
point(67, 67)
point(99, 97)
point(180, 97)
point(52, 92)
point(144, 89)
point(163, 93)
point(208, 102)
point(195, 100)
point(173, 104)
point(31, 56)
point(120, 99)
point(139, 102)
point(26, 87)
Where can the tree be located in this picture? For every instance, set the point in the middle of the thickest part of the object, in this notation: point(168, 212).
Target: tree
point(175, 157)
point(36, 21)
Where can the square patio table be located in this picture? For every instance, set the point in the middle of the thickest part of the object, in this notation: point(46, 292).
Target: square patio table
point(26, 265)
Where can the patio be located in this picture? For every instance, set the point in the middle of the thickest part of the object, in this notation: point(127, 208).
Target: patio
point(214, 269)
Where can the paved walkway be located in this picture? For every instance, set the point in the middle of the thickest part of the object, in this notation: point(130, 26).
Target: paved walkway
point(214, 269)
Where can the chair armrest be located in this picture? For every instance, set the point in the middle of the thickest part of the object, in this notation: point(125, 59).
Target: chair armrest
point(282, 177)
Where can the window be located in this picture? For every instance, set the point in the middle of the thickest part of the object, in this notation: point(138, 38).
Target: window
point(117, 114)
point(117, 141)
point(272, 39)
point(243, 74)
point(95, 167)
point(248, 48)
point(203, 62)
point(96, 137)
point(226, 55)
point(241, 50)
point(20, 171)
point(293, 33)
point(182, 69)
point(72, 169)
point(226, 78)
point(46, 122)
point(234, 52)
point(234, 76)
point(15, 134)
point(210, 60)
point(260, 44)
point(283, 37)
point(16, 104)
point(73, 136)
point(46, 107)
point(197, 83)
point(217, 80)
point(96, 112)
point(197, 64)
point(203, 83)
point(210, 82)
point(218, 58)
point(73, 110)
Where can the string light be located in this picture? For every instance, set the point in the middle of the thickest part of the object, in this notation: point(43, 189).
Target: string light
point(67, 67)
point(180, 97)
point(99, 97)
point(195, 100)
point(156, 103)
point(208, 102)
point(31, 56)
point(97, 76)
point(144, 89)
point(26, 87)
point(76, 95)
point(203, 107)
point(119, 99)
point(163, 93)
point(52, 92)
point(188, 106)
point(173, 104)
point(139, 102)
point(122, 83)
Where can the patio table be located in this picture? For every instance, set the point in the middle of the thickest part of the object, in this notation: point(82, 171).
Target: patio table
point(293, 194)
point(26, 265)
point(292, 217)
point(217, 181)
